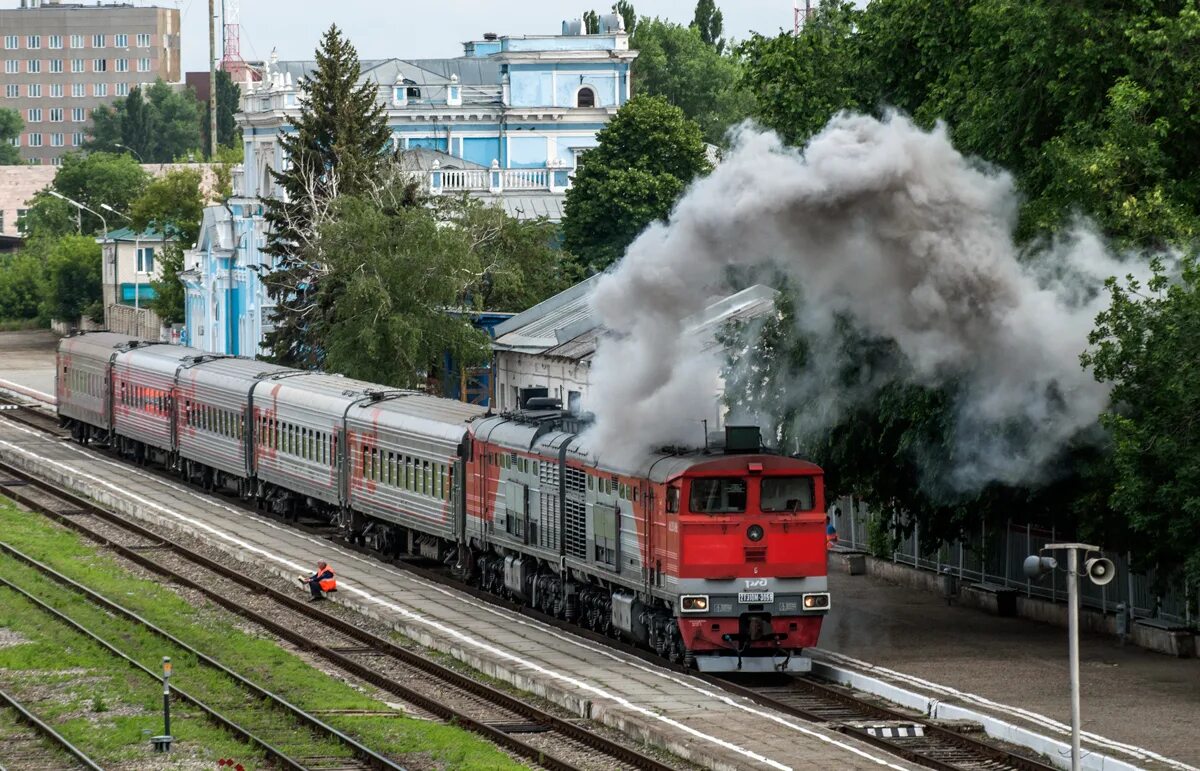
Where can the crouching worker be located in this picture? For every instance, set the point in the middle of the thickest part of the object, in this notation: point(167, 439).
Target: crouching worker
point(321, 581)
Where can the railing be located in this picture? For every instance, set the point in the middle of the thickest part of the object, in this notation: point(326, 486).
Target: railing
point(996, 554)
point(553, 178)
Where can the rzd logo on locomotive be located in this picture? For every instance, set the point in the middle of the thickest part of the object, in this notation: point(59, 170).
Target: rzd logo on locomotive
point(756, 583)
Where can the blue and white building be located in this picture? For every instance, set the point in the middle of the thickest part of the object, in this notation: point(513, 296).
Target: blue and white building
point(507, 121)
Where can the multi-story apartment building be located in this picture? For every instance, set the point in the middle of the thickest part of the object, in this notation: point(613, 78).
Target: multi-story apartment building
point(62, 60)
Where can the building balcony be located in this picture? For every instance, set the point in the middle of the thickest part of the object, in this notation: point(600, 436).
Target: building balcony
point(554, 178)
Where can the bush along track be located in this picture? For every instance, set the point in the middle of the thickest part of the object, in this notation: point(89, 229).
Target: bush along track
point(109, 709)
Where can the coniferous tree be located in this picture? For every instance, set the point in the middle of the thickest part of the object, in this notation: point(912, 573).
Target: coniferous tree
point(711, 22)
point(337, 149)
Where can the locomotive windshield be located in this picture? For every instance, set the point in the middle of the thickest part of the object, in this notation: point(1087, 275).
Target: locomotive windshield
point(718, 496)
point(787, 494)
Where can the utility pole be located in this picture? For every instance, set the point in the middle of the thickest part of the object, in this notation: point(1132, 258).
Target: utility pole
point(212, 80)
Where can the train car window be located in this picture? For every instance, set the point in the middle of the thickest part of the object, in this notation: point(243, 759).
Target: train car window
point(672, 499)
point(425, 477)
point(634, 496)
point(718, 496)
point(787, 494)
point(591, 482)
point(309, 444)
point(376, 466)
point(439, 483)
point(450, 482)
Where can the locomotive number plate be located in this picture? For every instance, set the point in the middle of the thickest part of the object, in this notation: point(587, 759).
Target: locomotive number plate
point(756, 598)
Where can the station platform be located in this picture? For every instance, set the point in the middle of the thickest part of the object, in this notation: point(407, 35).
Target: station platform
point(679, 713)
point(1139, 706)
point(27, 363)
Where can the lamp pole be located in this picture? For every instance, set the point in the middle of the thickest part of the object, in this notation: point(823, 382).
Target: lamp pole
point(136, 284)
point(1100, 571)
point(135, 153)
point(79, 223)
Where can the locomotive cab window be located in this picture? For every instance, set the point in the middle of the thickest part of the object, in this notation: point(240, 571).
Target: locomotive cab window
point(672, 499)
point(787, 494)
point(718, 496)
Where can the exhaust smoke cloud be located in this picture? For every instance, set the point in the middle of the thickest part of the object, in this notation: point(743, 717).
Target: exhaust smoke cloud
point(889, 226)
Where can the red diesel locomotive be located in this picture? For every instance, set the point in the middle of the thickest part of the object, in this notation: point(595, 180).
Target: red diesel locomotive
point(714, 557)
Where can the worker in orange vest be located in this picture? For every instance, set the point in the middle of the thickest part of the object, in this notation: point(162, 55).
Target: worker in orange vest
point(321, 581)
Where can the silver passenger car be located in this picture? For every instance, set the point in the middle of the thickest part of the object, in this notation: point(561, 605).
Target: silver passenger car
point(81, 382)
point(143, 384)
point(214, 395)
point(406, 460)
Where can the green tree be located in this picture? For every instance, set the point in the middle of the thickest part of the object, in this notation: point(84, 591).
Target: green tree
point(10, 128)
point(157, 124)
point(92, 179)
point(710, 22)
point(393, 271)
point(72, 284)
point(20, 285)
point(172, 205)
point(645, 157)
point(591, 23)
point(337, 149)
point(674, 62)
point(229, 95)
point(1147, 344)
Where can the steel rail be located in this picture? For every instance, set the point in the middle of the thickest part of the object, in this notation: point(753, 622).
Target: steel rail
point(941, 734)
point(46, 730)
point(505, 701)
point(372, 758)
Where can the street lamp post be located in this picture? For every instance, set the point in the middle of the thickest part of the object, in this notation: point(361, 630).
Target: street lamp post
point(136, 284)
point(79, 224)
point(1100, 570)
point(135, 153)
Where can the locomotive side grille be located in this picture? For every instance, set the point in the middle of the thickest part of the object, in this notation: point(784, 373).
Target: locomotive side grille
point(575, 536)
point(756, 554)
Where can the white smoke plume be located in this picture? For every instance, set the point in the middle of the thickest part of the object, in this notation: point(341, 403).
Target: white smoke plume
point(889, 225)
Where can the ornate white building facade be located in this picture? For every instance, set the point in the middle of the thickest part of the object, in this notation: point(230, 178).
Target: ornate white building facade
point(507, 121)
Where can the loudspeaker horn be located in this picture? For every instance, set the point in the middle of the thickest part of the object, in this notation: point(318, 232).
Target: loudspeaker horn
point(1100, 570)
point(1036, 566)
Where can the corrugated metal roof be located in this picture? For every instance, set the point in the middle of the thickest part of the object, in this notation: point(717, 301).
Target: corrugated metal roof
point(537, 328)
point(528, 206)
point(564, 328)
point(470, 71)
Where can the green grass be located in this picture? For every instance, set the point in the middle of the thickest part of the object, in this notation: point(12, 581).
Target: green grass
point(17, 325)
point(55, 649)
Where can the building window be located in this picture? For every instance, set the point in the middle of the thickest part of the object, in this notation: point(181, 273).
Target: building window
point(97, 41)
point(122, 89)
point(78, 90)
point(143, 40)
point(12, 90)
point(77, 65)
point(56, 140)
point(35, 90)
point(12, 41)
point(12, 66)
point(35, 140)
point(56, 90)
point(56, 66)
point(99, 89)
point(99, 65)
point(56, 114)
point(55, 41)
point(77, 139)
point(33, 115)
point(122, 65)
point(585, 98)
point(121, 41)
point(79, 114)
point(143, 65)
point(77, 41)
point(56, 160)
point(33, 42)
point(145, 259)
point(35, 65)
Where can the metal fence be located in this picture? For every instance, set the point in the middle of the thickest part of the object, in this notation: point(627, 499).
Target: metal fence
point(995, 555)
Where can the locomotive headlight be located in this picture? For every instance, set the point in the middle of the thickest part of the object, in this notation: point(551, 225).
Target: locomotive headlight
point(693, 603)
point(754, 532)
point(816, 601)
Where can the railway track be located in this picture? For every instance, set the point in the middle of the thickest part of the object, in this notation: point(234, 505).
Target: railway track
point(430, 687)
point(40, 746)
point(931, 745)
point(267, 736)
